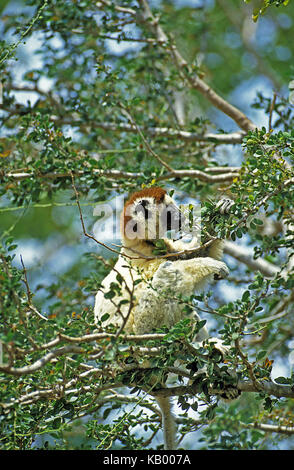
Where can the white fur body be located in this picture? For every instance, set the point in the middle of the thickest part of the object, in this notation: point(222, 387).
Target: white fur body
point(156, 297)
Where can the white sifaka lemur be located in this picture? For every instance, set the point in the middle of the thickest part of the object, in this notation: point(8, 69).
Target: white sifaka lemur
point(156, 282)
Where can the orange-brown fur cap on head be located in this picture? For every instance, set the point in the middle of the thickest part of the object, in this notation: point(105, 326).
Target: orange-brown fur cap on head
point(157, 193)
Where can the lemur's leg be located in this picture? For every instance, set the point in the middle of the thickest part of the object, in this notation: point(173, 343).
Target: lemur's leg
point(186, 276)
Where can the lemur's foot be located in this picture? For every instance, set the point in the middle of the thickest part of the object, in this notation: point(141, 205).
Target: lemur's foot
point(226, 387)
point(218, 345)
point(229, 393)
point(224, 384)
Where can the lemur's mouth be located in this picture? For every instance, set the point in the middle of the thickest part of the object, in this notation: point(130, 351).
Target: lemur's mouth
point(170, 234)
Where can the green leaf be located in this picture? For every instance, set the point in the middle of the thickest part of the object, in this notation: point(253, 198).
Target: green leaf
point(282, 380)
point(246, 296)
point(261, 355)
point(104, 317)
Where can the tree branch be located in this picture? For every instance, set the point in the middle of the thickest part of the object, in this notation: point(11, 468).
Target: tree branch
point(149, 149)
point(244, 255)
point(229, 138)
point(107, 3)
point(289, 430)
point(169, 132)
point(117, 175)
point(185, 70)
point(31, 307)
point(271, 388)
point(40, 362)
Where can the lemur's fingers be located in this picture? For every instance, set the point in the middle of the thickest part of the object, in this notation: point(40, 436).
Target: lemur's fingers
point(224, 205)
point(222, 271)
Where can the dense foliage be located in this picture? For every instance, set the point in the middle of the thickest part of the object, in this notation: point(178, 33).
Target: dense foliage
point(103, 98)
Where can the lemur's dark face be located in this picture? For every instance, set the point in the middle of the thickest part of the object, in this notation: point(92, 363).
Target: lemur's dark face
point(150, 214)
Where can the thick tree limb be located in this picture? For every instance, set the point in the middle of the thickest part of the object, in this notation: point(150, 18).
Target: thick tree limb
point(244, 255)
point(117, 174)
point(271, 388)
point(289, 430)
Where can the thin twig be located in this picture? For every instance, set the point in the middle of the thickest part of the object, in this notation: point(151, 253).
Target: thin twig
point(149, 149)
point(25, 32)
point(271, 110)
point(29, 293)
point(83, 224)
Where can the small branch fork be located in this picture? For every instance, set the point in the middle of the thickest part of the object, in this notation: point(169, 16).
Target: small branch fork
point(149, 149)
point(31, 307)
point(91, 237)
point(185, 71)
point(144, 14)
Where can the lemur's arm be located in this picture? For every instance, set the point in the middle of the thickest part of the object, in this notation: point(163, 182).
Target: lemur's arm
point(157, 306)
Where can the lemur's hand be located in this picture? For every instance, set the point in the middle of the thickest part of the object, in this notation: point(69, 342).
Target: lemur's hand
point(224, 205)
point(222, 271)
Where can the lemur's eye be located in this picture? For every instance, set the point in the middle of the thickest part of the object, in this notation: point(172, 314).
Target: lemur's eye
point(141, 207)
